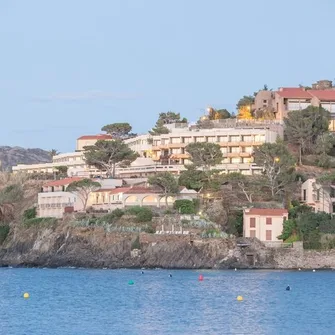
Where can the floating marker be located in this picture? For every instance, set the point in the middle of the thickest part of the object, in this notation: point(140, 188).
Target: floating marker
point(288, 288)
point(299, 269)
point(201, 277)
point(313, 270)
point(239, 298)
point(142, 272)
point(130, 282)
point(170, 275)
point(26, 295)
point(235, 269)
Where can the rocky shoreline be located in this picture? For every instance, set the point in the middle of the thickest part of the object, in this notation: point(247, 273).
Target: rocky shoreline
point(67, 246)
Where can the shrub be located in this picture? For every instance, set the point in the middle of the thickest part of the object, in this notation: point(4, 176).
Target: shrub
point(185, 222)
point(113, 216)
point(136, 244)
point(39, 221)
point(143, 214)
point(150, 230)
point(29, 213)
point(134, 210)
point(185, 206)
point(4, 230)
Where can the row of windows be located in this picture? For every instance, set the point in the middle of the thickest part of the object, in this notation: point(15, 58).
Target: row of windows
point(211, 139)
point(253, 222)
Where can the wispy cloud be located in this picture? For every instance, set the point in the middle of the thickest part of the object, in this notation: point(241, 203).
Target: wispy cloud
point(89, 95)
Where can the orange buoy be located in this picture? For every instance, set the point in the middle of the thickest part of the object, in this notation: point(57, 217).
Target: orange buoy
point(201, 277)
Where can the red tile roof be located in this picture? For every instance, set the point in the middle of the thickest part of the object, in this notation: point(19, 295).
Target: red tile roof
point(267, 211)
point(142, 190)
point(118, 190)
point(95, 137)
point(323, 95)
point(62, 182)
point(294, 93)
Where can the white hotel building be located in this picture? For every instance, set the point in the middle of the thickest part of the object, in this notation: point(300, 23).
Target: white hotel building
point(167, 152)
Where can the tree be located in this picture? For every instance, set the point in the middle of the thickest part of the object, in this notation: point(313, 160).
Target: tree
point(192, 178)
point(166, 182)
point(303, 127)
point(163, 120)
point(247, 185)
point(323, 145)
point(61, 170)
point(204, 154)
point(278, 166)
point(82, 188)
point(244, 113)
point(107, 155)
point(247, 100)
point(118, 130)
point(53, 152)
point(214, 114)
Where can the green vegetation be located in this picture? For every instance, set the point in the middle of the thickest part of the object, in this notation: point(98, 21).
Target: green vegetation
point(118, 130)
point(143, 214)
point(185, 206)
point(308, 129)
point(30, 213)
point(166, 182)
point(136, 243)
point(83, 188)
point(113, 216)
point(163, 120)
point(106, 155)
point(47, 221)
point(4, 231)
point(279, 167)
point(205, 155)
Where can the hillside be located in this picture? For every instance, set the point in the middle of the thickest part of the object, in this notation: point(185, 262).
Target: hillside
point(10, 156)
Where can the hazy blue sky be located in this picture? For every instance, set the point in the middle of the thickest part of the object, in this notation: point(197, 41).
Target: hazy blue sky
point(68, 67)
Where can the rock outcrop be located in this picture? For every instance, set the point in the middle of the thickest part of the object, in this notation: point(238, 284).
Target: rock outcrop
point(64, 246)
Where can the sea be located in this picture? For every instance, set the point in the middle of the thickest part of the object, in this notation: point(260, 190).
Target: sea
point(101, 302)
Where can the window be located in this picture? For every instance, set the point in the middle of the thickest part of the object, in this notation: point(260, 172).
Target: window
point(234, 138)
point(252, 233)
point(265, 101)
point(252, 223)
point(268, 235)
point(235, 149)
point(268, 220)
point(318, 195)
point(304, 196)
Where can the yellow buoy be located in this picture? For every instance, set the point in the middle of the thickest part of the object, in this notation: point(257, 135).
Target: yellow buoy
point(26, 295)
point(239, 298)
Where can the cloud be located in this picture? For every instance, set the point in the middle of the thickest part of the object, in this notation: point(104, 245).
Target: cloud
point(89, 95)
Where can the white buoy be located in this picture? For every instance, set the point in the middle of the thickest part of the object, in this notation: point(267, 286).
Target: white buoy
point(313, 270)
point(235, 269)
point(299, 269)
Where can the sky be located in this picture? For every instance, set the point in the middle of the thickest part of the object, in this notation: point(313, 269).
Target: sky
point(68, 67)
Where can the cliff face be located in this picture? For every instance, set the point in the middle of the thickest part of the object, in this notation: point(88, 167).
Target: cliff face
point(63, 245)
point(10, 156)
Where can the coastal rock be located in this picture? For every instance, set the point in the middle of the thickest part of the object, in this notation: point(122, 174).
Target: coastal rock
point(66, 246)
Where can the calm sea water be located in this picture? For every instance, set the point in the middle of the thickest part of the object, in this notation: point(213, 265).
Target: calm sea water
point(74, 301)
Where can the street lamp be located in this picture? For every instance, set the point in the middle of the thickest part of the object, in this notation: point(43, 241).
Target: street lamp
point(277, 159)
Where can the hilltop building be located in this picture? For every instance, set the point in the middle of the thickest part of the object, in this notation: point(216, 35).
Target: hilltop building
point(288, 99)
